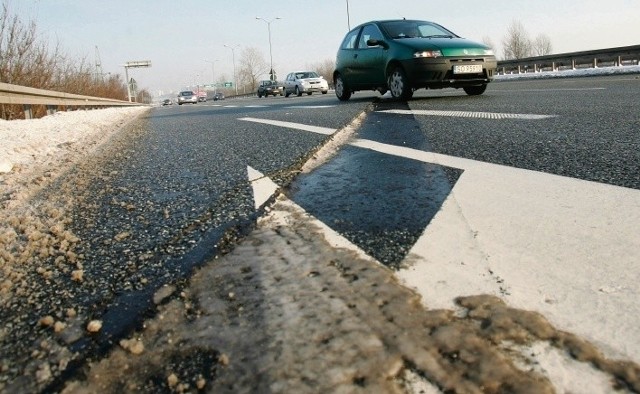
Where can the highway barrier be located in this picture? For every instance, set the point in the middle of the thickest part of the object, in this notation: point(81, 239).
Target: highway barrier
point(621, 56)
point(26, 96)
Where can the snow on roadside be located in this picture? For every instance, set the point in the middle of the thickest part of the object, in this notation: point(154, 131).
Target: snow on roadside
point(35, 141)
point(33, 147)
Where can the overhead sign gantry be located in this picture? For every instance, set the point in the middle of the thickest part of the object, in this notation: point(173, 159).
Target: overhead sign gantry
point(134, 64)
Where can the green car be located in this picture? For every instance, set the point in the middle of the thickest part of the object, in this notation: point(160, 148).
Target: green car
point(401, 56)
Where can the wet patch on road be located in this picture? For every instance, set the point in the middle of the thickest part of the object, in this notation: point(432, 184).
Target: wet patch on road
point(379, 202)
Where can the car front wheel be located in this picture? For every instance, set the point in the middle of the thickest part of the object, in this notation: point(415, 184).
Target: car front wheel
point(475, 90)
point(399, 85)
point(342, 91)
point(298, 92)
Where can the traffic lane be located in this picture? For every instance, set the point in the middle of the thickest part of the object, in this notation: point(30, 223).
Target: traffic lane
point(318, 110)
point(592, 134)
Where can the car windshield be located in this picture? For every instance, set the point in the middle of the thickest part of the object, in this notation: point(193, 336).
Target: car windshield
point(413, 29)
point(186, 93)
point(309, 74)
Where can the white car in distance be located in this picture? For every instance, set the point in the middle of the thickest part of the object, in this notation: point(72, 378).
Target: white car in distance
point(305, 82)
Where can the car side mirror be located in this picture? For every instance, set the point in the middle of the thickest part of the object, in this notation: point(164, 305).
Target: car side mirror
point(372, 42)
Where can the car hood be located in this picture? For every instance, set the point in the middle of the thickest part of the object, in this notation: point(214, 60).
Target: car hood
point(448, 46)
point(311, 79)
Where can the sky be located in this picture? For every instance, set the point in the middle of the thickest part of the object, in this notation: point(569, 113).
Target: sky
point(184, 40)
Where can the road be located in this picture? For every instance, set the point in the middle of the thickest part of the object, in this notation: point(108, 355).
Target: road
point(174, 193)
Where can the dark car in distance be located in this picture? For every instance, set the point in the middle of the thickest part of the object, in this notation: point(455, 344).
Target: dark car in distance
point(270, 88)
point(401, 56)
point(218, 96)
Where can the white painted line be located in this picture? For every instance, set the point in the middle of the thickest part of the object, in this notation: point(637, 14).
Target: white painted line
point(263, 187)
point(311, 106)
point(564, 247)
point(291, 125)
point(546, 90)
point(256, 106)
point(468, 114)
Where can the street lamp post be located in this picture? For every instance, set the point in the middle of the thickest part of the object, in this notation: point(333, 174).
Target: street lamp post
point(213, 72)
point(233, 55)
point(348, 18)
point(272, 74)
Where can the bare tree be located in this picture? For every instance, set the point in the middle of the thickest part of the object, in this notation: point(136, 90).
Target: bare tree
point(486, 40)
point(541, 45)
point(324, 68)
point(27, 60)
point(516, 44)
point(252, 66)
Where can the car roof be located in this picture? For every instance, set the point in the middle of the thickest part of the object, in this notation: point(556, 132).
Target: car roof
point(392, 20)
point(395, 20)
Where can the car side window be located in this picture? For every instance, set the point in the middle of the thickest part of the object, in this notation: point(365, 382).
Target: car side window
point(349, 41)
point(369, 32)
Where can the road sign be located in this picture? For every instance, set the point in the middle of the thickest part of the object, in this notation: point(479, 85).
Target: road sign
point(228, 84)
point(140, 63)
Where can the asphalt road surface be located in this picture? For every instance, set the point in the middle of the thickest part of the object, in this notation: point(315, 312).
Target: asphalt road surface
point(174, 193)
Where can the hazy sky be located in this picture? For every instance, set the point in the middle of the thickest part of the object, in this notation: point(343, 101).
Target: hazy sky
point(178, 36)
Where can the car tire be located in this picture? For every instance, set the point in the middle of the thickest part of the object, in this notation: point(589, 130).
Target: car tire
point(475, 90)
point(399, 84)
point(324, 91)
point(342, 90)
point(309, 93)
point(298, 92)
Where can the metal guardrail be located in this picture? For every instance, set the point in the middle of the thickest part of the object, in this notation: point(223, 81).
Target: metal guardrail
point(26, 96)
point(564, 61)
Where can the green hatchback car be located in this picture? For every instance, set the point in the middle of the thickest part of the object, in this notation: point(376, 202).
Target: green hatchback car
point(401, 56)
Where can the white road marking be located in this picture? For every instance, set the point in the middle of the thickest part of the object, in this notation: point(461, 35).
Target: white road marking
point(256, 106)
point(546, 90)
point(291, 125)
point(311, 106)
point(468, 114)
point(565, 247)
point(263, 187)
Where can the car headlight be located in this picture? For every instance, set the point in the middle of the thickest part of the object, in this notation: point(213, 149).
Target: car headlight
point(489, 52)
point(430, 54)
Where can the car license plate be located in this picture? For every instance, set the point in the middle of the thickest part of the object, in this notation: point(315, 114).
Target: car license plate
point(467, 69)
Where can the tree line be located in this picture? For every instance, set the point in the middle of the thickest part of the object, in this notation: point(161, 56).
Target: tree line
point(518, 44)
point(26, 60)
